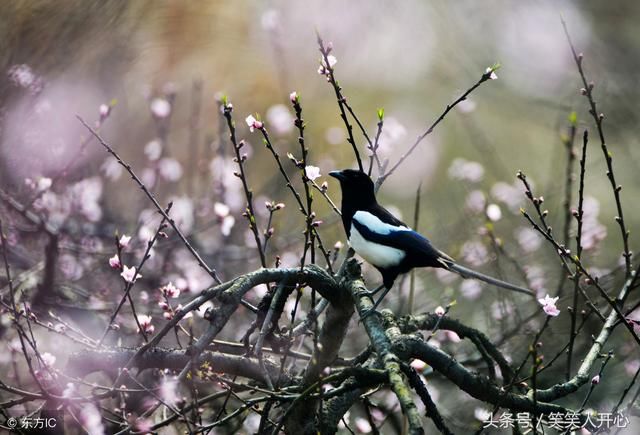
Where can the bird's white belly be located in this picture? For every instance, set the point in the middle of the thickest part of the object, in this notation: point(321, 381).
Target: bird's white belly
point(376, 254)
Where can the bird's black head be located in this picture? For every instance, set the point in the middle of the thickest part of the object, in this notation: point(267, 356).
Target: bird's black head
point(357, 188)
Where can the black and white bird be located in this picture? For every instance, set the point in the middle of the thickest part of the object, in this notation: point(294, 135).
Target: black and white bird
point(389, 244)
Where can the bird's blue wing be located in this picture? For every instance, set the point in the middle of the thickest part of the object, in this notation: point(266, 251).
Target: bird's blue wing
point(414, 244)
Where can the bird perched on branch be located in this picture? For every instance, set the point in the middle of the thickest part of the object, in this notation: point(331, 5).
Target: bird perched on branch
point(389, 244)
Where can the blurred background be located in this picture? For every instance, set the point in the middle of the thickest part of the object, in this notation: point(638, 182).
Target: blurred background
point(150, 75)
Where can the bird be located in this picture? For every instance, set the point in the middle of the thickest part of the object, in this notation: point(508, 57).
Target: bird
point(389, 244)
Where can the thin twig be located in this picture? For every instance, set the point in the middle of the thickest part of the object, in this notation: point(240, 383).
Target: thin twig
point(599, 118)
point(212, 272)
point(240, 159)
point(129, 284)
point(576, 276)
point(486, 76)
point(328, 69)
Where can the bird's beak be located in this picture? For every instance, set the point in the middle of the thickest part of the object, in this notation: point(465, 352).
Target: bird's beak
point(337, 174)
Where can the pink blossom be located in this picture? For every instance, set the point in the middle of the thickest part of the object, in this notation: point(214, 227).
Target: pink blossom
point(91, 419)
point(29, 183)
point(595, 380)
point(124, 241)
point(493, 75)
point(43, 107)
point(144, 425)
point(111, 168)
point(69, 391)
point(145, 323)
point(44, 183)
point(183, 213)
point(493, 212)
point(392, 134)
point(509, 194)
point(475, 253)
point(419, 365)
point(104, 110)
point(528, 239)
point(153, 150)
point(22, 75)
point(170, 169)
point(322, 69)
point(280, 119)
point(129, 274)
point(465, 170)
point(160, 108)
point(593, 231)
point(170, 291)
point(71, 267)
point(537, 278)
point(471, 289)
point(48, 359)
point(501, 310)
point(475, 201)
point(549, 305)
point(146, 233)
point(169, 391)
point(293, 96)
point(85, 196)
point(312, 172)
point(221, 210)
point(227, 224)
point(439, 311)
point(253, 123)
point(114, 262)
point(148, 177)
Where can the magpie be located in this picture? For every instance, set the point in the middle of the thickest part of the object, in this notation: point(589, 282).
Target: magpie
point(389, 244)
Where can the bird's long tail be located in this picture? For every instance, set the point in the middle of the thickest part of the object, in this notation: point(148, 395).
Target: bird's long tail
point(469, 273)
